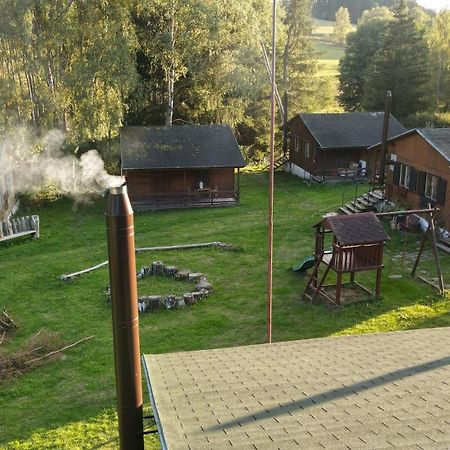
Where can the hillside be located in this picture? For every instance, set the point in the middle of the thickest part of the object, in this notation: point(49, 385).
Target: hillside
point(330, 53)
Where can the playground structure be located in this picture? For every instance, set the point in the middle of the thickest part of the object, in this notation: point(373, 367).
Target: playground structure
point(357, 245)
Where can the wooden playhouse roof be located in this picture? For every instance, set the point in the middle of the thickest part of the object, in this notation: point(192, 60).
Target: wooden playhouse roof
point(355, 229)
point(179, 147)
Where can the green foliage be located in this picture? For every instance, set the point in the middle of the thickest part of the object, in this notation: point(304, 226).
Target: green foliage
point(326, 9)
point(439, 41)
point(361, 46)
point(401, 65)
point(342, 26)
point(66, 64)
point(69, 402)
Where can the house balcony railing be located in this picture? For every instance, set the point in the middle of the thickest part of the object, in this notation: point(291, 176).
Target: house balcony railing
point(190, 198)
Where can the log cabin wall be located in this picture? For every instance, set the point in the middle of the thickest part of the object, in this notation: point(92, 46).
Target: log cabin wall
point(414, 152)
point(314, 159)
point(299, 136)
point(146, 185)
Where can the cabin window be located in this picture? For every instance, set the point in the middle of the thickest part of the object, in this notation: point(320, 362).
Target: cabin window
point(431, 184)
point(405, 176)
point(307, 149)
point(296, 143)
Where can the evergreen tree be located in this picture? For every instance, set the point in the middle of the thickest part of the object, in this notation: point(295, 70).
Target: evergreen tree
point(360, 49)
point(342, 25)
point(439, 41)
point(401, 66)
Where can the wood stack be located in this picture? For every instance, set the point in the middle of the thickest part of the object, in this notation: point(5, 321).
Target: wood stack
point(171, 301)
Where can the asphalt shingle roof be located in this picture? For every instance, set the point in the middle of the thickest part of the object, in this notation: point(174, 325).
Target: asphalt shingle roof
point(381, 390)
point(439, 138)
point(179, 147)
point(362, 228)
point(347, 130)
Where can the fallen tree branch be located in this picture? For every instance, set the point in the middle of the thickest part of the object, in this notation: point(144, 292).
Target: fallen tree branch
point(57, 351)
point(69, 276)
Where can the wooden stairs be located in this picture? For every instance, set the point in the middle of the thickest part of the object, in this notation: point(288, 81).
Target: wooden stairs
point(279, 162)
point(363, 203)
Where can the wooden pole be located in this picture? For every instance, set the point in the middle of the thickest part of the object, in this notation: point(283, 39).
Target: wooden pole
point(384, 138)
point(436, 255)
point(406, 212)
point(419, 254)
point(271, 182)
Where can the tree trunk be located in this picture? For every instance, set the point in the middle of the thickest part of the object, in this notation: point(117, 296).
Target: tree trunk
point(171, 71)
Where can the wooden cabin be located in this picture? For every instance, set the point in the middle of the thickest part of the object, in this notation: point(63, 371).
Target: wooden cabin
point(7, 195)
point(420, 171)
point(335, 146)
point(346, 244)
point(181, 166)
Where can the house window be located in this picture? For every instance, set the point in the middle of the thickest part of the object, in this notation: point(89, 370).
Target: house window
point(431, 185)
point(307, 149)
point(405, 176)
point(296, 143)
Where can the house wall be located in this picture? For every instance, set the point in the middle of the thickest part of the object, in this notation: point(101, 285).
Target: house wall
point(319, 160)
point(415, 152)
point(171, 185)
point(298, 136)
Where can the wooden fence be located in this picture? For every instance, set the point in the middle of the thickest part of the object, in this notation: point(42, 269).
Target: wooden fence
point(20, 226)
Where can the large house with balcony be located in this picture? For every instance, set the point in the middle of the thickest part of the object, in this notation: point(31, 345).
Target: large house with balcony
point(336, 146)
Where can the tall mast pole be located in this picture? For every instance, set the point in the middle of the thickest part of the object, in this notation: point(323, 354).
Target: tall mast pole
point(271, 181)
point(384, 137)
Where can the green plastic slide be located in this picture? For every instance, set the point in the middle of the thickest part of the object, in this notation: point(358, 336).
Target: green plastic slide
point(306, 264)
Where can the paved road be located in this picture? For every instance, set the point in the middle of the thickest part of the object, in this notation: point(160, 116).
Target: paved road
point(374, 391)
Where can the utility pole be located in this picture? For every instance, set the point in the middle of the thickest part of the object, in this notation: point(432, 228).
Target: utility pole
point(271, 181)
point(384, 138)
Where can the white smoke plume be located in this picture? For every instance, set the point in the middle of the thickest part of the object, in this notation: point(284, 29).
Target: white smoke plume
point(33, 161)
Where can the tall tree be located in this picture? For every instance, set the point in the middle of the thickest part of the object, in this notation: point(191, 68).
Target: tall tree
point(439, 41)
point(359, 51)
point(342, 25)
point(66, 64)
point(401, 66)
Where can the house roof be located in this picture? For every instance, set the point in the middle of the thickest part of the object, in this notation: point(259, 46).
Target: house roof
point(179, 147)
point(349, 130)
point(438, 138)
point(354, 229)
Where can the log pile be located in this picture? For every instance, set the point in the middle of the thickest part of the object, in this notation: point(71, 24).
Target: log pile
point(43, 346)
point(20, 226)
point(7, 325)
point(171, 301)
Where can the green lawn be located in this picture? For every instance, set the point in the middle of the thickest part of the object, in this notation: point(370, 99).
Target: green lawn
point(68, 403)
point(330, 53)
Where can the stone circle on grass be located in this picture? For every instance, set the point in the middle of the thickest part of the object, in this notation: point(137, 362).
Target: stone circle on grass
point(171, 301)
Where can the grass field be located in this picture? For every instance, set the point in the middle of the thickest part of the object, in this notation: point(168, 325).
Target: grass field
point(330, 53)
point(68, 403)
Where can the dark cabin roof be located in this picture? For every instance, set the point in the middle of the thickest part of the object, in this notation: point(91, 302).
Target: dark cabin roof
point(179, 147)
point(355, 229)
point(349, 130)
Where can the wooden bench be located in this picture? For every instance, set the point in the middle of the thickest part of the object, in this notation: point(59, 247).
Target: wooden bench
point(18, 227)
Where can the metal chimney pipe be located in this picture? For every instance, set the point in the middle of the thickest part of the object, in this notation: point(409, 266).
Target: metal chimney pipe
point(384, 138)
point(122, 275)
